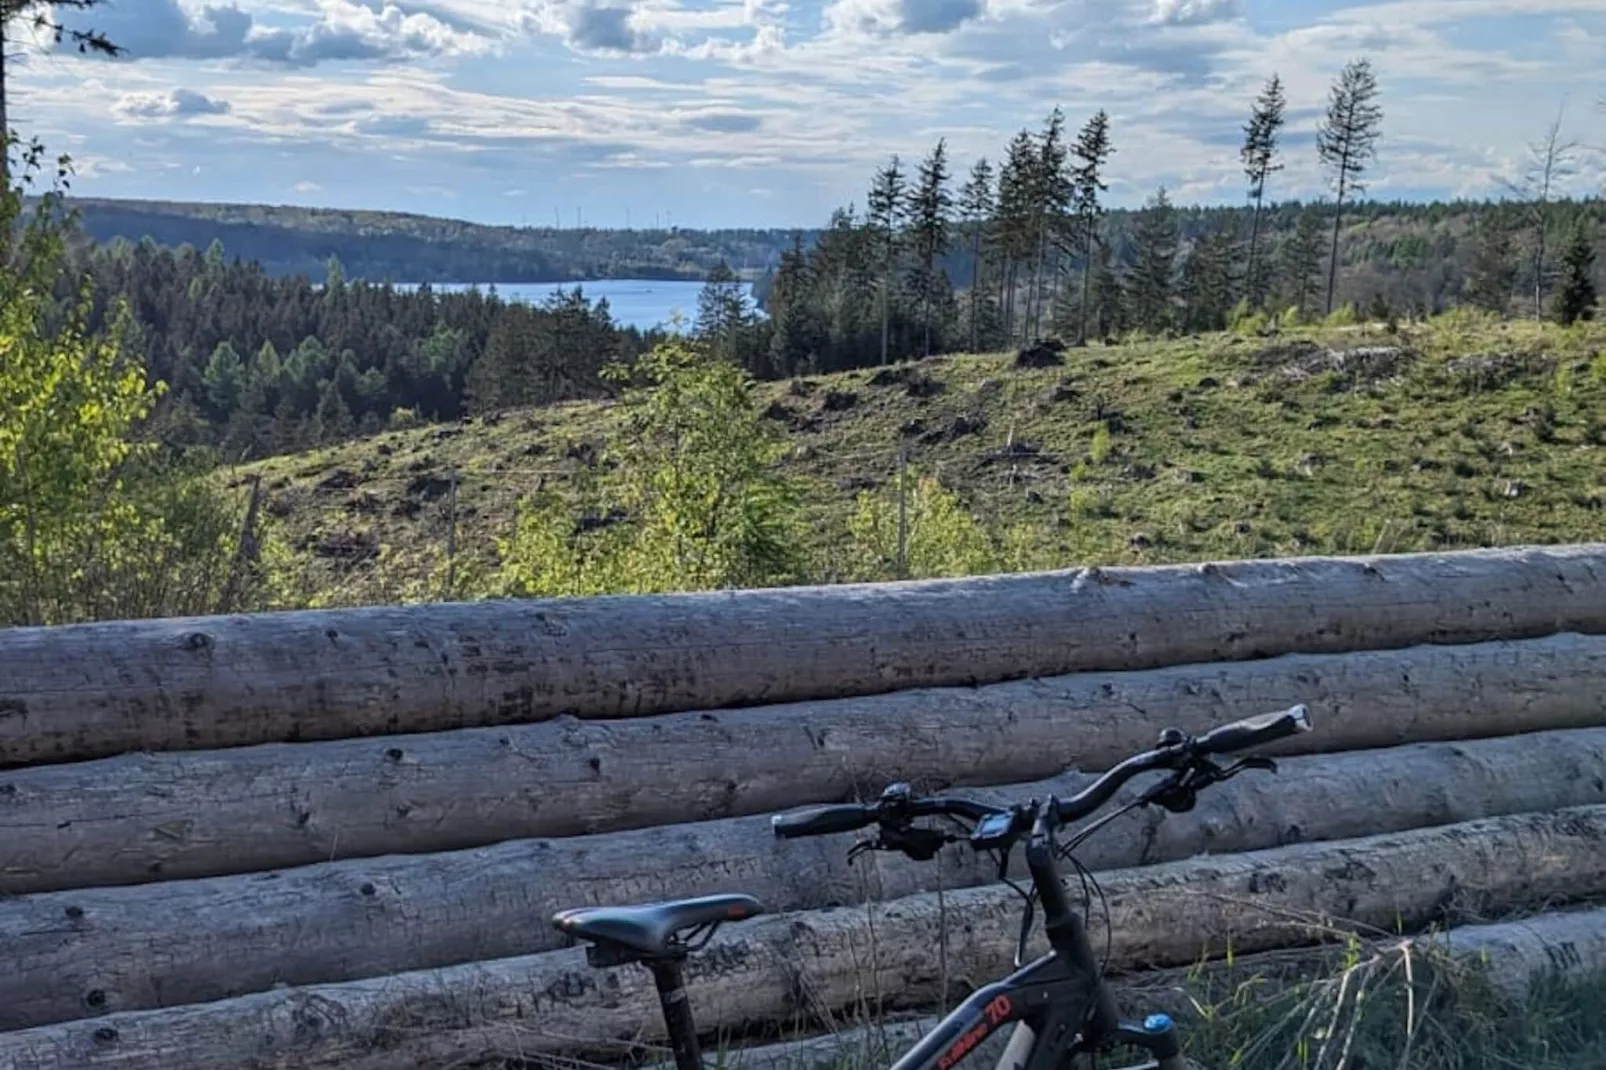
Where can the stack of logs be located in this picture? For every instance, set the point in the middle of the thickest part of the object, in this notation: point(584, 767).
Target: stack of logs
point(334, 838)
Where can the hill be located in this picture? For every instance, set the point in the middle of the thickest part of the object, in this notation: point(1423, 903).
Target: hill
point(1461, 432)
point(404, 248)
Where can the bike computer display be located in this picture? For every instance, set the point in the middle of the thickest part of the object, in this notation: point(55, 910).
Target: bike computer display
point(992, 829)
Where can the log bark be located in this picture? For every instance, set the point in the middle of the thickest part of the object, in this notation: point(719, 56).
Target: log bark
point(144, 817)
point(221, 937)
point(885, 958)
point(1516, 955)
point(95, 690)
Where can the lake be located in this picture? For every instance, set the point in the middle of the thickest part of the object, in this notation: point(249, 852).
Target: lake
point(641, 303)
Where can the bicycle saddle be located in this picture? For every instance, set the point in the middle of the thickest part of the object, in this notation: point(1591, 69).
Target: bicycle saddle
point(650, 929)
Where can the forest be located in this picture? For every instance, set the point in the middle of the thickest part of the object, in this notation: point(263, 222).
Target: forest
point(259, 362)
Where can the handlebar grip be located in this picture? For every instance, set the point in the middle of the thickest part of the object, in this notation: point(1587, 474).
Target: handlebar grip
point(1255, 731)
point(822, 821)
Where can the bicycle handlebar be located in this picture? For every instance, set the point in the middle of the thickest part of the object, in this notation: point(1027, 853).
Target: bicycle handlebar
point(1176, 753)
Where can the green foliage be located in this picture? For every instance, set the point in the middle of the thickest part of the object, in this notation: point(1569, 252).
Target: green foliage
point(92, 524)
point(942, 538)
point(699, 504)
point(1099, 448)
point(1575, 297)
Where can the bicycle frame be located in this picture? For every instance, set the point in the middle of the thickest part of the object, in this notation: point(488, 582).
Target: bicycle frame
point(1058, 1004)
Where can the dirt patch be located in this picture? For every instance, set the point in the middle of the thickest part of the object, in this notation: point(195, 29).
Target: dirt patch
point(839, 401)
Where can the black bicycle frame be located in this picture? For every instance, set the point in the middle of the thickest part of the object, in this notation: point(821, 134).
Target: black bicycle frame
point(1059, 1004)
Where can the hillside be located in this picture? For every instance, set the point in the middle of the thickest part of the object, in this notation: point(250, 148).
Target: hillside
point(404, 248)
point(1459, 433)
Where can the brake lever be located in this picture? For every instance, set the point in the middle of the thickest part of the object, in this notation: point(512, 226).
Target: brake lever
point(920, 844)
point(1180, 792)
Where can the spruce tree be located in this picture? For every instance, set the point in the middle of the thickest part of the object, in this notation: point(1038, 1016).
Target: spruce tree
point(1259, 156)
point(930, 209)
point(1090, 152)
point(976, 206)
point(1346, 142)
point(886, 213)
point(1302, 263)
point(1492, 274)
point(1575, 296)
point(1013, 227)
point(1149, 285)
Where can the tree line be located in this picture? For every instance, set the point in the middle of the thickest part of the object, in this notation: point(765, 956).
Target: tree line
point(1027, 248)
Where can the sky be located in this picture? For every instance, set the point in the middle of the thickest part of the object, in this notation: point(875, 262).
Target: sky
point(761, 113)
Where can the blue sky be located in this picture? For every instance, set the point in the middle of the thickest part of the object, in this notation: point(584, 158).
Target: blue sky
point(772, 112)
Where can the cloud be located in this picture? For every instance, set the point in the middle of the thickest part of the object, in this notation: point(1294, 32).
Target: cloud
point(340, 30)
point(594, 26)
point(876, 18)
point(174, 104)
point(1195, 12)
point(725, 123)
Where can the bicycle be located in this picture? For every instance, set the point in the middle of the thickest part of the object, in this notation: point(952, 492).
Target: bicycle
point(1059, 1003)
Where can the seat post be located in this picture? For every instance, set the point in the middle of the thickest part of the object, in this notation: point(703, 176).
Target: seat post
point(678, 1018)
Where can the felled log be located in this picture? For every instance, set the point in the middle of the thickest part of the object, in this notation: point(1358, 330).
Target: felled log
point(222, 937)
point(144, 817)
point(1568, 945)
point(886, 957)
point(94, 690)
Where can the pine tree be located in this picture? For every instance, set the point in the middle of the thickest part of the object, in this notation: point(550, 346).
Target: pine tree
point(1150, 282)
point(1091, 150)
point(976, 207)
point(930, 209)
point(887, 210)
point(1492, 274)
point(1575, 297)
point(1259, 156)
point(1346, 142)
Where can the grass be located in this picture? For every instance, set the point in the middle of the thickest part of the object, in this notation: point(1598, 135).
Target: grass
point(1464, 432)
point(1402, 1007)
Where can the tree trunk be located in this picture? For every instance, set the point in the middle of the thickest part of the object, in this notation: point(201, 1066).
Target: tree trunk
point(778, 967)
point(1087, 283)
point(1254, 239)
point(144, 817)
point(228, 936)
point(1568, 946)
point(975, 291)
point(93, 690)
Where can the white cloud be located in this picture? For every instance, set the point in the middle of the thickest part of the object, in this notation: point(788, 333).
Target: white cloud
point(595, 26)
point(693, 105)
point(1193, 12)
point(173, 104)
point(336, 30)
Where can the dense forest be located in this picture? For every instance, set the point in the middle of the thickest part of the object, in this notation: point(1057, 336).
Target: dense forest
point(260, 361)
